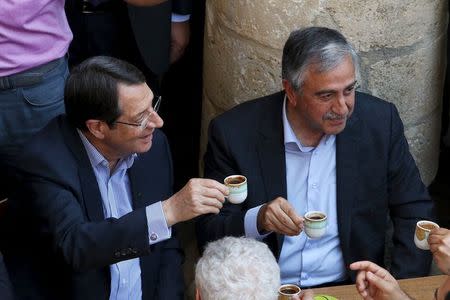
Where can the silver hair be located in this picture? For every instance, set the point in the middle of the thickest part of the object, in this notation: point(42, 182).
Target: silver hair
point(237, 268)
point(319, 46)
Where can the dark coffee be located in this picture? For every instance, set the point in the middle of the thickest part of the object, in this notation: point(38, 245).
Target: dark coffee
point(427, 226)
point(316, 217)
point(289, 291)
point(235, 180)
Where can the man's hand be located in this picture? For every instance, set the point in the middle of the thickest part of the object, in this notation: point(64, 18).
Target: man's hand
point(279, 216)
point(375, 283)
point(305, 295)
point(199, 196)
point(179, 40)
point(439, 240)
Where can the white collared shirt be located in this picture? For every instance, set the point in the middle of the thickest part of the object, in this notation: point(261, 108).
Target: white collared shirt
point(311, 185)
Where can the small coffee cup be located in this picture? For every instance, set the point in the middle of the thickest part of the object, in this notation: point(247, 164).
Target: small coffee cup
point(237, 185)
point(288, 291)
point(315, 224)
point(421, 233)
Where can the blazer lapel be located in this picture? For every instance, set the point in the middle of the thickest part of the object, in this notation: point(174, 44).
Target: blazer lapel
point(91, 194)
point(271, 154)
point(347, 154)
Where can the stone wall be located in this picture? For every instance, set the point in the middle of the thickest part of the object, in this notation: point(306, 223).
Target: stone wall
point(401, 44)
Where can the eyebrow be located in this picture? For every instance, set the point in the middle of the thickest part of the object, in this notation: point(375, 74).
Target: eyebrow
point(334, 91)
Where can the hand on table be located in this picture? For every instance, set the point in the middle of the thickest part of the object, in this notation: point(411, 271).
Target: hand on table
point(279, 216)
point(439, 240)
point(199, 196)
point(375, 283)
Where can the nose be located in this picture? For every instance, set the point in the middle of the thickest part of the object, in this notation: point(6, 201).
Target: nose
point(340, 105)
point(155, 121)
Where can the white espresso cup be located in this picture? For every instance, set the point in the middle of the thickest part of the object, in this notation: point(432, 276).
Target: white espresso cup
point(237, 185)
point(421, 233)
point(315, 224)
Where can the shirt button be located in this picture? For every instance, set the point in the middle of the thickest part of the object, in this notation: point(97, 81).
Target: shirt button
point(314, 185)
point(153, 237)
point(124, 281)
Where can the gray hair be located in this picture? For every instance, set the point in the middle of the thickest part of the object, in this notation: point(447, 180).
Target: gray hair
point(322, 47)
point(237, 268)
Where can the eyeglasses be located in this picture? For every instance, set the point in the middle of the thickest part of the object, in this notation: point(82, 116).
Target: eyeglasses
point(143, 124)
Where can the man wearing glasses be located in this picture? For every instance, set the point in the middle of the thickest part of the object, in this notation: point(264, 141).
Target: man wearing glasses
point(96, 206)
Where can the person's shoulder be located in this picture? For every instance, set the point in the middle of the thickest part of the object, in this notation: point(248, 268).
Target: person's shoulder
point(251, 111)
point(371, 107)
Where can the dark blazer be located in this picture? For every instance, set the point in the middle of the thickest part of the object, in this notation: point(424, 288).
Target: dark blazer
point(6, 290)
point(375, 173)
point(140, 35)
point(67, 245)
point(152, 31)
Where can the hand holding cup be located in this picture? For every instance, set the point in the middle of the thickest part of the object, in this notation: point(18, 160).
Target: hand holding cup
point(279, 216)
point(421, 233)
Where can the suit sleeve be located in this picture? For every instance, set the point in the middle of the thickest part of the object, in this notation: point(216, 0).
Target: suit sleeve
point(182, 7)
point(219, 163)
point(409, 202)
point(6, 290)
point(85, 244)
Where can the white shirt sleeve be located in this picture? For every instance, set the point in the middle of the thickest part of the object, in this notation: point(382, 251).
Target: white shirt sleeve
point(158, 230)
point(250, 224)
point(180, 18)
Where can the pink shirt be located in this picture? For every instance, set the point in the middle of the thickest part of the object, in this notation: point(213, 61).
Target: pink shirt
point(32, 32)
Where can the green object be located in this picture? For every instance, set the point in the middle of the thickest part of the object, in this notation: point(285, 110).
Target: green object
point(324, 297)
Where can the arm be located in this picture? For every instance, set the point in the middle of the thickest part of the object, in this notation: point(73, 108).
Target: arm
point(170, 280)
point(85, 244)
point(6, 289)
point(408, 202)
point(218, 164)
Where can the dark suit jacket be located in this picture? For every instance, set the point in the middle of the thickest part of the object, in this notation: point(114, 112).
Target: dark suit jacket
point(6, 290)
point(375, 173)
point(140, 35)
point(66, 245)
point(152, 28)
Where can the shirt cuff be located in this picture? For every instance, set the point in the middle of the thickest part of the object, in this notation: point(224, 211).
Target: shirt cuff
point(180, 18)
point(250, 224)
point(158, 230)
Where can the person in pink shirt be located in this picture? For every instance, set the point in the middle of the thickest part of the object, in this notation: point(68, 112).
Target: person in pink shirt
point(34, 38)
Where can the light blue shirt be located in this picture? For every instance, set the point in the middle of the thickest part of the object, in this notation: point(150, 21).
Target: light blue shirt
point(311, 185)
point(116, 200)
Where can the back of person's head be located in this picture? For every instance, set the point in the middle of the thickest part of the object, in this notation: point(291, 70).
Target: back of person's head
point(237, 268)
point(91, 90)
point(321, 47)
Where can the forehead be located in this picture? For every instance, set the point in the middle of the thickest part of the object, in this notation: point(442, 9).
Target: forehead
point(338, 77)
point(134, 99)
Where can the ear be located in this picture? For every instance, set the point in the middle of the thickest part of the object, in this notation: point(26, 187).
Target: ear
point(290, 92)
point(96, 128)
point(197, 294)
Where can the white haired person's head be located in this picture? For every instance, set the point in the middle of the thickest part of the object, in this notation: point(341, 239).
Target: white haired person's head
point(237, 268)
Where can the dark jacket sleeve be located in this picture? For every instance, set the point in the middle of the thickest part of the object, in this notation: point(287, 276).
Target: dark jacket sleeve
point(219, 163)
point(6, 290)
point(409, 202)
point(182, 7)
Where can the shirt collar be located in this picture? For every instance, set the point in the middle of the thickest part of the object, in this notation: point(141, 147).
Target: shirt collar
point(96, 158)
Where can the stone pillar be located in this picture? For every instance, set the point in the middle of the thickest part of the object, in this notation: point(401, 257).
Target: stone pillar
point(401, 44)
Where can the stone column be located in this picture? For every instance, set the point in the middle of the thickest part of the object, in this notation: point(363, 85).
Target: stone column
point(401, 44)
